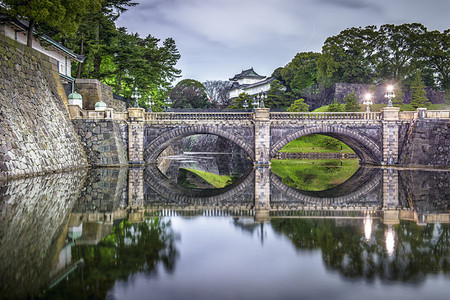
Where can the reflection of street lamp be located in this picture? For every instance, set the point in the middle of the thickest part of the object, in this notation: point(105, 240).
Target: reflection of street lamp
point(136, 96)
point(368, 227)
point(389, 94)
point(245, 104)
point(390, 240)
point(150, 103)
point(368, 101)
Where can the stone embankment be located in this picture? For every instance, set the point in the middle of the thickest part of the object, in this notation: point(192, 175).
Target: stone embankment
point(104, 141)
point(36, 134)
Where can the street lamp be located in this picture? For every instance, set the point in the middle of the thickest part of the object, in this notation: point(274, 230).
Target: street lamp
point(255, 102)
point(368, 101)
point(150, 103)
point(245, 104)
point(262, 97)
point(136, 96)
point(168, 103)
point(389, 94)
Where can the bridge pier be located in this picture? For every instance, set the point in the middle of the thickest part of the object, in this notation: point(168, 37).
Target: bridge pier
point(136, 136)
point(262, 137)
point(136, 187)
point(390, 197)
point(262, 194)
point(390, 135)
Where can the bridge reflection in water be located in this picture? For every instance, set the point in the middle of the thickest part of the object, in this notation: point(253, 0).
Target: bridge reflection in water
point(43, 218)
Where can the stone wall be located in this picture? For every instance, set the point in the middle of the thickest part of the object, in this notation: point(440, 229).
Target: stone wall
point(93, 91)
point(427, 143)
point(103, 142)
point(36, 135)
point(34, 214)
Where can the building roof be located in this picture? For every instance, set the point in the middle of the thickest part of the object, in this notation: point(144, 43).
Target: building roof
point(250, 73)
point(252, 85)
point(22, 25)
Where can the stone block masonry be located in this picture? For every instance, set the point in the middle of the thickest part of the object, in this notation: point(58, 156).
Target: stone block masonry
point(36, 135)
point(427, 143)
point(103, 141)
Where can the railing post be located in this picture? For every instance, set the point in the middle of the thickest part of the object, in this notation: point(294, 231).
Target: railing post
point(262, 136)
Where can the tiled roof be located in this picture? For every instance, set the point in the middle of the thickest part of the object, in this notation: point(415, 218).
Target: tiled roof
point(250, 73)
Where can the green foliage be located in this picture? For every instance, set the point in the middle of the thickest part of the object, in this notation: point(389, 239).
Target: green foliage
point(316, 143)
point(278, 96)
point(218, 181)
point(189, 93)
point(65, 15)
point(336, 106)
point(351, 103)
point(314, 175)
point(298, 106)
point(301, 72)
point(238, 102)
point(418, 94)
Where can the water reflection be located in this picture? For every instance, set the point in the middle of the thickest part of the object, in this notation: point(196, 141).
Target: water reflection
point(105, 232)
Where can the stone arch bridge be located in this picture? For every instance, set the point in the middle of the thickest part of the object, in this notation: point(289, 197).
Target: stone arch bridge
point(374, 136)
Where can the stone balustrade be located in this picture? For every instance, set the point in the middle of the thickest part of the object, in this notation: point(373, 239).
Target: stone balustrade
point(139, 114)
point(325, 116)
point(198, 116)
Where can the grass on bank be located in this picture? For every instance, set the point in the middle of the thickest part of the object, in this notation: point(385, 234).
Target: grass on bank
point(218, 181)
point(316, 143)
point(314, 175)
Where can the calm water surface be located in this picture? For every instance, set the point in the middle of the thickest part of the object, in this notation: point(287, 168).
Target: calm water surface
point(138, 234)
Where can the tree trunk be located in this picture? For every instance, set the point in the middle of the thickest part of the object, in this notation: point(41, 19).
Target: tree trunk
point(30, 33)
point(80, 64)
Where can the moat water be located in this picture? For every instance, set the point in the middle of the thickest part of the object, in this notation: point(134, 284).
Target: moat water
point(311, 230)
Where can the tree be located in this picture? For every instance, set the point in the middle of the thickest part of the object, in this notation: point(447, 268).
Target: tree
point(396, 54)
point(348, 55)
point(298, 106)
point(418, 94)
point(189, 93)
point(238, 102)
point(301, 72)
point(63, 14)
point(277, 96)
point(351, 102)
point(217, 91)
point(336, 106)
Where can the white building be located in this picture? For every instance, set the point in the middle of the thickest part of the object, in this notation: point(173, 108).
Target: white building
point(249, 82)
point(17, 30)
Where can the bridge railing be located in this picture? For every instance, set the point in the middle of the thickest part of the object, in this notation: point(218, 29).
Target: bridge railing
point(325, 116)
point(438, 114)
point(198, 116)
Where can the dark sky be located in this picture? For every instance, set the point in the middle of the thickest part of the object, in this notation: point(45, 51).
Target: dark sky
point(219, 38)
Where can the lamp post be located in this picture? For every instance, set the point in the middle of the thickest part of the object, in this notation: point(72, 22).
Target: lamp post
point(368, 101)
point(136, 96)
point(168, 103)
point(245, 105)
point(389, 94)
point(255, 102)
point(262, 97)
point(150, 103)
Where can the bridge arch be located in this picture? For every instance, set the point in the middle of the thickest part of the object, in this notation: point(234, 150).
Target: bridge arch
point(157, 146)
point(365, 148)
